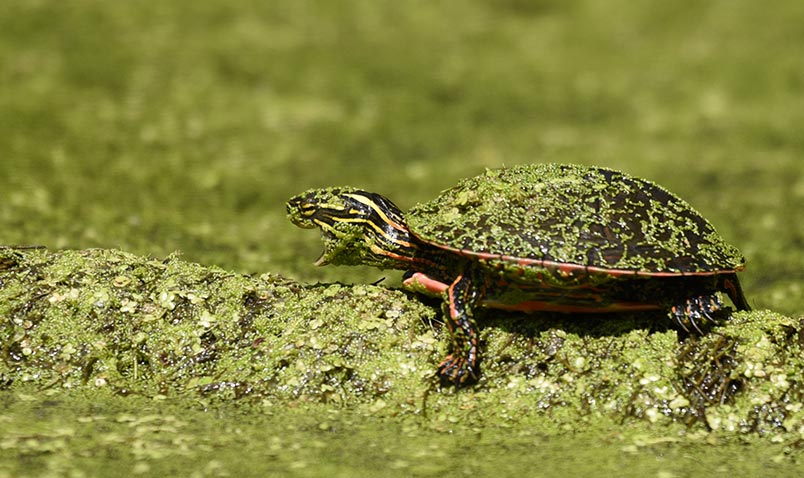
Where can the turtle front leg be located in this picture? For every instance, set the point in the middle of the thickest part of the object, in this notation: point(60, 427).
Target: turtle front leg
point(462, 365)
point(696, 311)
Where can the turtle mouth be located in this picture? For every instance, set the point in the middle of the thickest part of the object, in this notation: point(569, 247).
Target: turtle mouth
point(302, 223)
point(299, 219)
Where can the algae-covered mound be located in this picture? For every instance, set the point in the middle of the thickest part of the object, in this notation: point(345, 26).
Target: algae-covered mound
point(108, 320)
point(104, 318)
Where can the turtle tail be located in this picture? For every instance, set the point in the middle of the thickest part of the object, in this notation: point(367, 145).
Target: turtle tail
point(730, 284)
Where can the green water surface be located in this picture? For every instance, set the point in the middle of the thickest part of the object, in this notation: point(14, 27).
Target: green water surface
point(155, 127)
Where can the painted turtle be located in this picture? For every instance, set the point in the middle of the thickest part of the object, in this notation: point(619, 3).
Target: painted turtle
point(549, 237)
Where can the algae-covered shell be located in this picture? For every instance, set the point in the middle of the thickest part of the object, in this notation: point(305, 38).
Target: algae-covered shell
point(592, 217)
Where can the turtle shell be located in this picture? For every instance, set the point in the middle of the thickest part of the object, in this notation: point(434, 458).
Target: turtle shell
point(573, 216)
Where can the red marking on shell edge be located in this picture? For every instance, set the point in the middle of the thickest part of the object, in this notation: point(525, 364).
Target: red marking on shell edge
point(571, 268)
point(536, 306)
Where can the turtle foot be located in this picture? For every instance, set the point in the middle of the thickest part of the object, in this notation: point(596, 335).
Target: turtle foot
point(697, 313)
point(457, 371)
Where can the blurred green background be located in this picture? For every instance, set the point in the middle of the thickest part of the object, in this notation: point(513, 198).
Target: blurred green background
point(162, 126)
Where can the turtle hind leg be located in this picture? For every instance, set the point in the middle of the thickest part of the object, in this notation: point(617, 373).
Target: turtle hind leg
point(698, 313)
point(730, 284)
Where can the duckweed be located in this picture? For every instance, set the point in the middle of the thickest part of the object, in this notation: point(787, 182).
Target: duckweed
point(178, 329)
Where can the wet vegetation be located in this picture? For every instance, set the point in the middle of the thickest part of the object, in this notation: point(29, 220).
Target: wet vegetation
point(112, 323)
point(132, 130)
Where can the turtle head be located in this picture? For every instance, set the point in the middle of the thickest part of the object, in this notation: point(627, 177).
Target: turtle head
point(358, 227)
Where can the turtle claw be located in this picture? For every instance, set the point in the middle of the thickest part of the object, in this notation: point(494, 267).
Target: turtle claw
point(457, 371)
point(697, 311)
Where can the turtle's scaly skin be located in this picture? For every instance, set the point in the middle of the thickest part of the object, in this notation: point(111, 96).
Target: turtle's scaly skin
point(534, 237)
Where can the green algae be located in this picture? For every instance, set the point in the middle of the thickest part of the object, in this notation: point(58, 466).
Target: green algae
point(90, 433)
point(120, 324)
point(166, 327)
point(165, 364)
point(111, 139)
point(574, 214)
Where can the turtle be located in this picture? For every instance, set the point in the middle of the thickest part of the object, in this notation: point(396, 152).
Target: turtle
point(534, 237)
